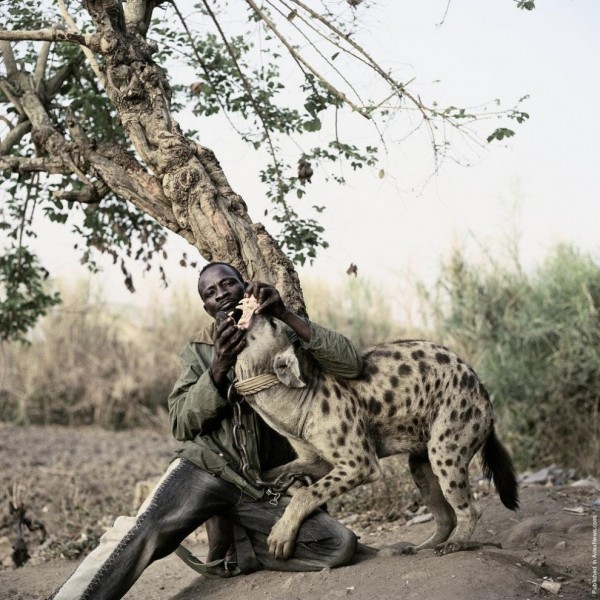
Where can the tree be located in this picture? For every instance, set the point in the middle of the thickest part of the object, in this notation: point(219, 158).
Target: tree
point(89, 126)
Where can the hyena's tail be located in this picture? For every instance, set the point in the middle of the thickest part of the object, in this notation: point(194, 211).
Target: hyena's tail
point(498, 465)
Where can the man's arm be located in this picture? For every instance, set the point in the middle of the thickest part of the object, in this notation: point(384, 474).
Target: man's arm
point(195, 399)
point(335, 352)
point(200, 393)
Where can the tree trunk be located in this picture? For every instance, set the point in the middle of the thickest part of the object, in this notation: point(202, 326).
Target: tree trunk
point(187, 190)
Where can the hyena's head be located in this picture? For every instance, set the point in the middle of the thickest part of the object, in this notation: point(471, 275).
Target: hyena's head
point(268, 350)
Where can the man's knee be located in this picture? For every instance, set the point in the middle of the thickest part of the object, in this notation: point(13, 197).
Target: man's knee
point(343, 547)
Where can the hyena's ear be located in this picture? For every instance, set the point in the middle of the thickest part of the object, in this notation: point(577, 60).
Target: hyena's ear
point(287, 369)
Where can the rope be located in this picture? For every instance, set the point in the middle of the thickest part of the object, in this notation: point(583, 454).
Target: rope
point(256, 384)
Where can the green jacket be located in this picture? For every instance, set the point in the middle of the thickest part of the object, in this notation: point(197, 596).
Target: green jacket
point(202, 419)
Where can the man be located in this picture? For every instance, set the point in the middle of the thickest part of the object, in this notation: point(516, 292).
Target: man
point(206, 477)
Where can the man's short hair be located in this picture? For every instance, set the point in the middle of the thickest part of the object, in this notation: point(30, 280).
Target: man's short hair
point(217, 264)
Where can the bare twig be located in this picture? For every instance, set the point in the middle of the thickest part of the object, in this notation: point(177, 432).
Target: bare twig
point(201, 62)
point(445, 14)
point(248, 88)
point(313, 45)
point(88, 53)
point(325, 82)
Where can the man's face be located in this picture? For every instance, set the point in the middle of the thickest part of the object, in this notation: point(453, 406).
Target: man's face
point(220, 289)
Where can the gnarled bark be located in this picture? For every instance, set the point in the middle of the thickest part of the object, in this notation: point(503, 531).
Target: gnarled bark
point(207, 212)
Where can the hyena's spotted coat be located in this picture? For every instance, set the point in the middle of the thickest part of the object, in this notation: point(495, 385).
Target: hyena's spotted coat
point(413, 396)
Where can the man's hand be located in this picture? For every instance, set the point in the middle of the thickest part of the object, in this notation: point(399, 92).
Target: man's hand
point(270, 303)
point(268, 298)
point(229, 341)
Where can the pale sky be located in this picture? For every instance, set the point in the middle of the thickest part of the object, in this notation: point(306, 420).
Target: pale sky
point(486, 49)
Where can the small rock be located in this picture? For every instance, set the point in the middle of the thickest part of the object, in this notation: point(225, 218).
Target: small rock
point(535, 561)
point(540, 476)
point(550, 476)
point(336, 594)
point(578, 510)
point(289, 582)
point(589, 481)
point(349, 519)
point(552, 586)
point(420, 519)
point(561, 545)
point(6, 551)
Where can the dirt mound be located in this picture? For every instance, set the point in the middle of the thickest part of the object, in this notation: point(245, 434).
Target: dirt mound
point(77, 477)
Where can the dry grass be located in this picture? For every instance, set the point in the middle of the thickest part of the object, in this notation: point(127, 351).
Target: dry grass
point(92, 364)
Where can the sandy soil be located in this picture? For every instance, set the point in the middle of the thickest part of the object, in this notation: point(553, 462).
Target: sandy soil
point(77, 481)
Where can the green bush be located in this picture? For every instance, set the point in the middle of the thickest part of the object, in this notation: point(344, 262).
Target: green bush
point(534, 338)
point(357, 308)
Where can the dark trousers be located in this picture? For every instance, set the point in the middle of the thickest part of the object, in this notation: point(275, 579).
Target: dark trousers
point(183, 499)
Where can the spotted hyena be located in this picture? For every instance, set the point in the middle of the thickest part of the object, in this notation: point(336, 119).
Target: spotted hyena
point(413, 396)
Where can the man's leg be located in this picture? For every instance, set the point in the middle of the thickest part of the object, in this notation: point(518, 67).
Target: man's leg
point(220, 539)
point(322, 541)
point(182, 500)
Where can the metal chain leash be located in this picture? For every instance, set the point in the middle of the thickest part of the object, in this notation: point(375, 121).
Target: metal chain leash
point(274, 488)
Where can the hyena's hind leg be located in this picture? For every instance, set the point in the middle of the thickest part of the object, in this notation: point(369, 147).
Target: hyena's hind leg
point(427, 482)
point(454, 482)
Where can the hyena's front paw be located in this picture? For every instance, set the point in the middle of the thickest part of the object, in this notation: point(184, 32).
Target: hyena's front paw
point(281, 540)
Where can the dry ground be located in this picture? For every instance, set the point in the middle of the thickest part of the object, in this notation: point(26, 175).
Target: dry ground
point(77, 480)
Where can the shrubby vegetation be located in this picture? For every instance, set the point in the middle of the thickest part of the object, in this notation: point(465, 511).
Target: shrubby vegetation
point(534, 338)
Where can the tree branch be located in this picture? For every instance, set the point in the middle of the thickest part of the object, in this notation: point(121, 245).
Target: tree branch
point(14, 136)
point(91, 194)
point(248, 88)
point(138, 14)
point(327, 61)
point(18, 164)
point(55, 82)
point(120, 171)
point(8, 56)
point(51, 34)
point(40, 65)
point(13, 99)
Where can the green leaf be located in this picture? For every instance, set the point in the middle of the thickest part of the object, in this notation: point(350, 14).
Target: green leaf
point(313, 125)
point(500, 134)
